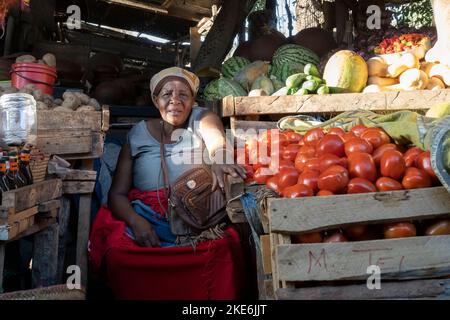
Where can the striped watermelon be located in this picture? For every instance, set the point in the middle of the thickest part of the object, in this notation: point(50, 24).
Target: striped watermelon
point(282, 72)
point(222, 87)
point(233, 65)
point(295, 55)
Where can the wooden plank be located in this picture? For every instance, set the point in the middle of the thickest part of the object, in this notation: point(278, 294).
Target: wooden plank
point(436, 288)
point(319, 213)
point(228, 106)
point(105, 118)
point(49, 205)
point(66, 141)
point(63, 223)
point(98, 139)
point(84, 219)
point(45, 257)
point(335, 103)
point(274, 256)
point(83, 175)
point(2, 263)
point(19, 216)
point(268, 289)
point(403, 258)
point(50, 120)
point(18, 229)
point(235, 212)
point(34, 228)
point(265, 254)
point(195, 41)
point(255, 125)
point(76, 187)
point(29, 196)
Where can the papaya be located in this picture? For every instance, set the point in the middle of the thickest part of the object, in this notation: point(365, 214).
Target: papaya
point(346, 70)
point(247, 75)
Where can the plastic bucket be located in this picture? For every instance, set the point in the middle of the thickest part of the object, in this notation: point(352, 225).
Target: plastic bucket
point(41, 75)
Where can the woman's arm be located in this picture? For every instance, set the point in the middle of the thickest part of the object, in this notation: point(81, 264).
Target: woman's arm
point(120, 205)
point(221, 152)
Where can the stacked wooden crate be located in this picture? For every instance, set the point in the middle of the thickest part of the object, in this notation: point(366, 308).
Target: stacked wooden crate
point(312, 267)
point(34, 210)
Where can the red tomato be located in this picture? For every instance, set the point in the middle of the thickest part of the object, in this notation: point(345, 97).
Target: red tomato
point(327, 160)
point(312, 237)
point(334, 179)
point(438, 228)
point(287, 177)
point(356, 231)
point(297, 191)
point(278, 164)
point(378, 153)
point(301, 159)
point(272, 183)
point(312, 165)
point(392, 164)
point(399, 230)
point(279, 138)
point(358, 129)
point(313, 136)
point(361, 165)
point(261, 161)
point(337, 131)
point(376, 137)
point(423, 161)
point(388, 184)
point(290, 152)
point(347, 136)
point(266, 135)
point(416, 178)
point(331, 143)
point(309, 178)
point(335, 237)
point(308, 150)
point(262, 174)
point(323, 193)
point(360, 185)
point(411, 155)
point(293, 137)
point(357, 145)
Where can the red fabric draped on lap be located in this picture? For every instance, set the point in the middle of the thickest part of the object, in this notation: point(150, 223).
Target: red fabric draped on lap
point(215, 270)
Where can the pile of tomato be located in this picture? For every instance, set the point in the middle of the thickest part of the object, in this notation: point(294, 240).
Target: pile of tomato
point(334, 162)
point(399, 43)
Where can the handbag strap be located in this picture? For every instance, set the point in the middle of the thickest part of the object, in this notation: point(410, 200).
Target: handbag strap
point(164, 164)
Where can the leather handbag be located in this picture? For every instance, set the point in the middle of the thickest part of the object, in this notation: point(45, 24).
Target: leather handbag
point(191, 199)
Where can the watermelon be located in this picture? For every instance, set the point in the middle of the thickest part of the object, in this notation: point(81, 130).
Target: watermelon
point(283, 72)
point(222, 87)
point(294, 55)
point(233, 65)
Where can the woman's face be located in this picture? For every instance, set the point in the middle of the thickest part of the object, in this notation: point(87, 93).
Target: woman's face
point(175, 101)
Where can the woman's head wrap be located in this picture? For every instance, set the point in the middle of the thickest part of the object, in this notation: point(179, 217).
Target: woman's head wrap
point(157, 81)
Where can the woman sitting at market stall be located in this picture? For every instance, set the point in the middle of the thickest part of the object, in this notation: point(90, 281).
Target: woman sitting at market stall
point(149, 252)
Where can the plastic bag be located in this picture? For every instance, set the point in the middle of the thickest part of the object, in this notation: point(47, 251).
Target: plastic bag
point(18, 120)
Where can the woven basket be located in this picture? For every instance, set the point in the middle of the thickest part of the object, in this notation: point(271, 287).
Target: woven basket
point(56, 292)
point(39, 169)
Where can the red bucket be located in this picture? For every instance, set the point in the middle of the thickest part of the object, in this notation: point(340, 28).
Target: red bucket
point(41, 75)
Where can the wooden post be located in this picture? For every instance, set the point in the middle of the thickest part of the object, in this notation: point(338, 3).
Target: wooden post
point(84, 222)
point(2, 261)
point(45, 257)
point(196, 43)
point(64, 215)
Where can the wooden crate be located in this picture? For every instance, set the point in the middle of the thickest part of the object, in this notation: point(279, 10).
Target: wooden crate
point(19, 207)
point(73, 135)
point(414, 263)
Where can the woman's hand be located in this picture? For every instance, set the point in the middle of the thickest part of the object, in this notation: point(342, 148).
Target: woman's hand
point(144, 233)
point(219, 170)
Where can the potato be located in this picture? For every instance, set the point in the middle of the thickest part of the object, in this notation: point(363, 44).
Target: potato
point(71, 101)
point(84, 98)
point(86, 108)
point(38, 95)
point(10, 90)
point(93, 102)
point(63, 109)
point(50, 60)
point(28, 58)
point(41, 106)
point(30, 86)
point(58, 102)
point(40, 61)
